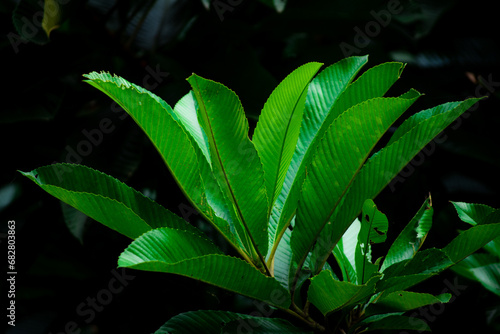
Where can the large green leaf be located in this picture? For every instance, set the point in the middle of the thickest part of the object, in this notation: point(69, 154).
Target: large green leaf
point(176, 145)
point(336, 162)
point(180, 252)
point(469, 241)
point(322, 92)
point(235, 162)
point(105, 199)
point(329, 94)
point(381, 168)
point(277, 130)
point(328, 294)
point(411, 238)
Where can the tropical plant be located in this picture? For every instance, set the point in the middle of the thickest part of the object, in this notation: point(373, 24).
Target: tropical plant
point(286, 200)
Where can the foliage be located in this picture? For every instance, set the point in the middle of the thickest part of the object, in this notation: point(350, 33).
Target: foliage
point(284, 200)
point(483, 267)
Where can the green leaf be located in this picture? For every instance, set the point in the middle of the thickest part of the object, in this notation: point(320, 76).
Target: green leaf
point(330, 93)
point(411, 238)
point(471, 240)
point(382, 167)
point(337, 160)
point(472, 213)
point(407, 273)
point(402, 301)
point(277, 130)
point(322, 92)
point(483, 268)
point(183, 253)
point(235, 162)
point(167, 130)
point(105, 199)
point(328, 294)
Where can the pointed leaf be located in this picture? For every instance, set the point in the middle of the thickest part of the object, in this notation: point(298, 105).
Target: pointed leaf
point(175, 144)
point(337, 160)
point(402, 301)
point(183, 253)
point(471, 240)
point(411, 238)
point(235, 162)
point(471, 213)
point(382, 167)
point(277, 130)
point(329, 94)
point(105, 199)
point(329, 295)
point(322, 92)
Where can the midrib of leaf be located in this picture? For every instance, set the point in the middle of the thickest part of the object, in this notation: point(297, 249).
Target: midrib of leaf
point(304, 90)
point(248, 236)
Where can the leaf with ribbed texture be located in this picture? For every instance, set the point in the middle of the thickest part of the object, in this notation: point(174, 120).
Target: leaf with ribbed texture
point(328, 294)
point(277, 130)
point(105, 199)
point(402, 301)
point(483, 268)
point(183, 157)
point(235, 162)
point(330, 93)
point(336, 162)
point(381, 168)
point(472, 213)
point(183, 253)
point(411, 238)
point(469, 241)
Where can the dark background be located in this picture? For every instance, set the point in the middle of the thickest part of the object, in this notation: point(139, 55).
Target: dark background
point(450, 47)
